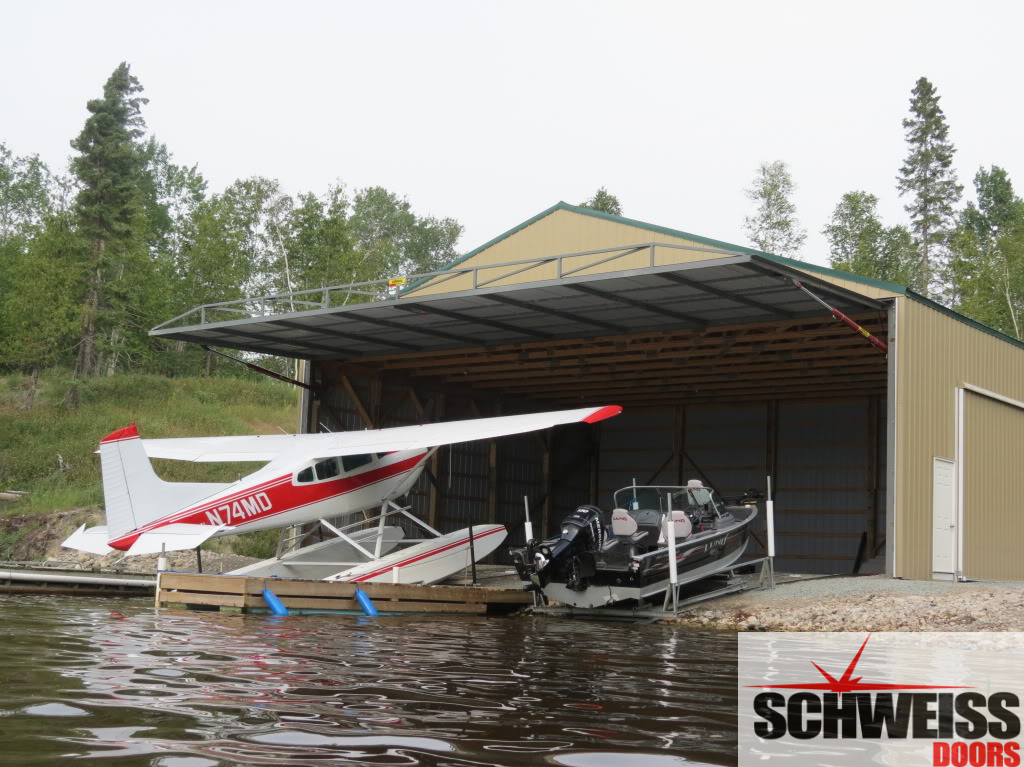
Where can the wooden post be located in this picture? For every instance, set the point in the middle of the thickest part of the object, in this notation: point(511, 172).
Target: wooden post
point(545, 515)
point(872, 477)
point(363, 412)
point(435, 467)
point(492, 482)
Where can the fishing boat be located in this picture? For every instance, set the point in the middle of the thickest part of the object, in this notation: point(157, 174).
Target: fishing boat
point(601, 559)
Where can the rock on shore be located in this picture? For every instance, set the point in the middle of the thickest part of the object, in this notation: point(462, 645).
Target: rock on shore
point(866, 604)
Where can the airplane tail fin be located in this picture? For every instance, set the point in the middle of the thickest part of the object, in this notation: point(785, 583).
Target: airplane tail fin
point(133, 493)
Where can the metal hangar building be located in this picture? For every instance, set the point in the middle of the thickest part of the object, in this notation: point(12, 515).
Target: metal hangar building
point(905, 462)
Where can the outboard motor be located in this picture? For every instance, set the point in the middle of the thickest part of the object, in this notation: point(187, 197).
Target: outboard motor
point(570, 556)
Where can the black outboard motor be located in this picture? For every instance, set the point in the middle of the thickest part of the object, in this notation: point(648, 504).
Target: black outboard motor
point(571, 556)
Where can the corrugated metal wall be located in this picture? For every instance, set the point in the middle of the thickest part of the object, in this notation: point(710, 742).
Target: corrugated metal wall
point(825, 483)
point(993, 523)
point(826, 459)
point(937, 353)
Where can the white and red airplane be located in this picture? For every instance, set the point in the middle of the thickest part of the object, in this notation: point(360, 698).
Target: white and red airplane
point(307, 477)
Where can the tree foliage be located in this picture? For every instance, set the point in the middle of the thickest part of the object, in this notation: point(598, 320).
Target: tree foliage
point(89, 262)
point(860, 243)
point(774, 227)
point(928, 177)
point(604, 201)
point(986, 266)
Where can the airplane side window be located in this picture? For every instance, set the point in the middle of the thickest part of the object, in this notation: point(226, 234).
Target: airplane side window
point(353, 462)
point(327, 468)
point(306, 475)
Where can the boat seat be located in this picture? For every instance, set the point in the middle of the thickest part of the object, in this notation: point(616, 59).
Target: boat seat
point(622, 522)
point(682, 524)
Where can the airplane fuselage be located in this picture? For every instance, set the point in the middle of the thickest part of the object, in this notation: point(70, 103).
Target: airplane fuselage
point(274, 497)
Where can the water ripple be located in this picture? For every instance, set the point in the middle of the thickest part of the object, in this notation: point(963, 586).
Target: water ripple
point(134, 686)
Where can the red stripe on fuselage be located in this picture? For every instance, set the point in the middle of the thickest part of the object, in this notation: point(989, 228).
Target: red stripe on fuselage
point(277, 499)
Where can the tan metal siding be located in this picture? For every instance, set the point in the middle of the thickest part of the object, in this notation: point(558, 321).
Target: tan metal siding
point(564, 232)
point(936, 354)
point(856, 287)
point(993, 523)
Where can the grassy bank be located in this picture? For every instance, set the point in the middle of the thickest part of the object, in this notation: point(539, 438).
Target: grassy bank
point(48, 451)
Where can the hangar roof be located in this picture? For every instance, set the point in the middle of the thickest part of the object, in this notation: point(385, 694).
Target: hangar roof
point(744, 287)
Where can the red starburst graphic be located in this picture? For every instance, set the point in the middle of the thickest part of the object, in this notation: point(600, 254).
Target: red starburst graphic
point(846, 684)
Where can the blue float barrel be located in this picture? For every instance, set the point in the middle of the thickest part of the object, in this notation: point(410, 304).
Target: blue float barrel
point(366, 603)
point(276, 605)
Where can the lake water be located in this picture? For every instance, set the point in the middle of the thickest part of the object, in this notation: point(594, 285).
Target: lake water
point(116, 682)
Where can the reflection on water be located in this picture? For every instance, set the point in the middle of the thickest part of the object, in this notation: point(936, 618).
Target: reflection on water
point(128, 685)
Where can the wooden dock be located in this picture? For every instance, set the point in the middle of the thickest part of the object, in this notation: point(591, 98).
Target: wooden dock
point(239, 593)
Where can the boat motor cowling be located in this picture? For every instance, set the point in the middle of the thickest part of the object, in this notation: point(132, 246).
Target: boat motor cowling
point(580, 535)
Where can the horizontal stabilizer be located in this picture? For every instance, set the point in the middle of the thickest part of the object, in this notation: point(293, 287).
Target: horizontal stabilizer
point(174, 537)
point(94, 540)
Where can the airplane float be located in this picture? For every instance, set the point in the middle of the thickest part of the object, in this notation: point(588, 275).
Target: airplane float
point(307, 478)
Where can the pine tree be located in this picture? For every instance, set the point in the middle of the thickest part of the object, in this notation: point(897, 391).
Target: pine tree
point(604, 201)
point(774, 227)
point(929, 178)
point(109, 167)
point(986, 268)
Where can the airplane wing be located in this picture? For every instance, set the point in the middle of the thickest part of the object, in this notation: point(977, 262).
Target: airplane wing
point(269, 447)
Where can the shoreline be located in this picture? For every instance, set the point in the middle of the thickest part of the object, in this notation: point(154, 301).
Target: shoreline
point(865, 603)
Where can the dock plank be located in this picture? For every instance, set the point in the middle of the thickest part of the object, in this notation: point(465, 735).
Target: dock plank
point(243, 592)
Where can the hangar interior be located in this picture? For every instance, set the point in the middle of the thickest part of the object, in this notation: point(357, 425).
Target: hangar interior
point(727, 371)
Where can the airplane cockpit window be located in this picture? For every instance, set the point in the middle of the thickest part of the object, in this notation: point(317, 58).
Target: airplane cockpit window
point(353, 462)
point(306, 475)
point(327, 468)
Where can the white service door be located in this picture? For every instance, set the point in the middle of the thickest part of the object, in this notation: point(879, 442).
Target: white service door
point(943, 520)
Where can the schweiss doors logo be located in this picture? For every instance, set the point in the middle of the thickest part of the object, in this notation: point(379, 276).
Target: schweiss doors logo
point(941, 700)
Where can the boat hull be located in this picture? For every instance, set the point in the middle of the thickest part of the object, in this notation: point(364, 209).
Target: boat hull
point(699, 557)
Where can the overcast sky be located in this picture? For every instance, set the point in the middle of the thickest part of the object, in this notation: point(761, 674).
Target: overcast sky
point(491, 112)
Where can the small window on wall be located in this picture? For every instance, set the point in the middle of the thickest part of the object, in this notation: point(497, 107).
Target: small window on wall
point(353, 462)
point(306, 475)
point(327, 468)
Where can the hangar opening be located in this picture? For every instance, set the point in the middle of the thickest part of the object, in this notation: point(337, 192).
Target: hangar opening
point(727, 371)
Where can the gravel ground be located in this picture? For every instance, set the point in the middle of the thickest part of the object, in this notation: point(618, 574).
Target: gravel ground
point(868, 603)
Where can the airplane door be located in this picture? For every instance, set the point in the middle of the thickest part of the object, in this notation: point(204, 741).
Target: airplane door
point(943, 518)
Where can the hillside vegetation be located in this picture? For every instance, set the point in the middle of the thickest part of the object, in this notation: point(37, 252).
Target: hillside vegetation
point(48, 451)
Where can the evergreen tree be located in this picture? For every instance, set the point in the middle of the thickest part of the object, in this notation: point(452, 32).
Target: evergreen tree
point(930, 180)
point(604, 201)
point(109, 167)
point(860, 243)
point(774, 227)
point(986, 268)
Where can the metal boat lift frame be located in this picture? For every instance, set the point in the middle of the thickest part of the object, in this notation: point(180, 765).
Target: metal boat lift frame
point(671, 605)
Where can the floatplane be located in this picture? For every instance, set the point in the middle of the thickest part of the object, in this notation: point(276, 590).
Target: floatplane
point(307, 478)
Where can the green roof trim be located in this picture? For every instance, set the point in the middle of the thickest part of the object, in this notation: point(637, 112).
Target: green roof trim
point(963, 318)
point(837, 273)
point(562, 205)
point(488, 244)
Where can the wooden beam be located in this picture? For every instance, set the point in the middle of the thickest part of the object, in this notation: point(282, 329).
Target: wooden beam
point(868, 320)
point(363, 412)
point(688, 378)
point(613, 349)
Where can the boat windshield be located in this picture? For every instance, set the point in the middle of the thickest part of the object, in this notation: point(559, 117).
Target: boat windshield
point(635, 498)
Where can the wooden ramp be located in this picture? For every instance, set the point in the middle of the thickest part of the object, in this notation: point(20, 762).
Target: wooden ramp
point(239, 593)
